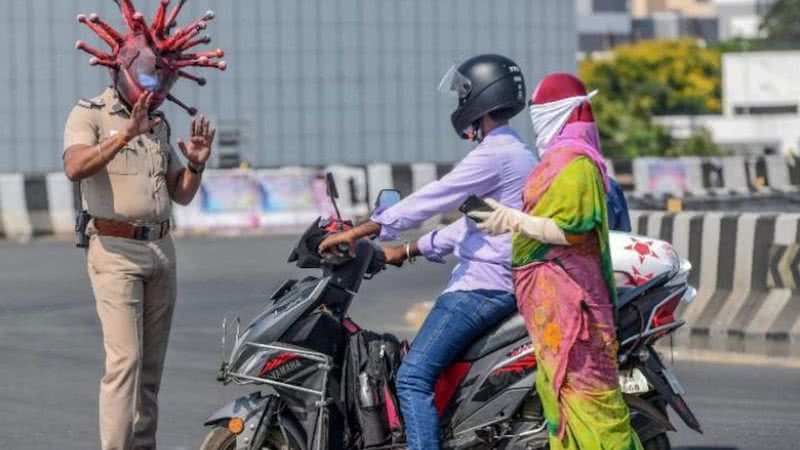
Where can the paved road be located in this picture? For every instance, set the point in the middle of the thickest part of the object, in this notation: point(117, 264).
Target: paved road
point(50, 348)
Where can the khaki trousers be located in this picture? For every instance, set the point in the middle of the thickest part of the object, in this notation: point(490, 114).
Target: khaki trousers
point(135, 288)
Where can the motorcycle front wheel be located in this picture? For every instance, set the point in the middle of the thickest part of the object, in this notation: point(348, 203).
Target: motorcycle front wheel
point(220, 438)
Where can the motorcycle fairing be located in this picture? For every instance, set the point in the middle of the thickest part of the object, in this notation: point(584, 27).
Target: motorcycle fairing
point(499, 397)
point(250, 408)
point(271, 324)
point(520, 362)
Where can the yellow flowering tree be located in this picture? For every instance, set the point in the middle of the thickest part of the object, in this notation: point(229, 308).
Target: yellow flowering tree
point(647, 79)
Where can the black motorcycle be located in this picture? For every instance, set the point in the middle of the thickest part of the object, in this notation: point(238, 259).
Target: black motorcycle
point(325, 383)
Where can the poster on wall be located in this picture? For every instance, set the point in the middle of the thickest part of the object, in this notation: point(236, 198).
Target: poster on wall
point(291, 197)
point(241, 201)
point(667, 177)
point(226, 200)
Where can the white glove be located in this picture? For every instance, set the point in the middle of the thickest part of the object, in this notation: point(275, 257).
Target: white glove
point(506, 220)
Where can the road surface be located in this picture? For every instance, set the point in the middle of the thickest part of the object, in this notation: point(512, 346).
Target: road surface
point(51, 353)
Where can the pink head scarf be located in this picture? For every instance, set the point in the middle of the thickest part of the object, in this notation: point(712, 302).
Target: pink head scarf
point(579, 131)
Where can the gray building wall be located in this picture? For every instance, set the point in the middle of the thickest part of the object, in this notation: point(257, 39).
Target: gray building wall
point(730, 11)
point(670, 25)
point(309, 81)
point(602, 24)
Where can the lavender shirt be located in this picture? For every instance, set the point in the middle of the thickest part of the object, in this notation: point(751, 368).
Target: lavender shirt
point(497, 169)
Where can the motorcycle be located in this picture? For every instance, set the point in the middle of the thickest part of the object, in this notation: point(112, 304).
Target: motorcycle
point(295, 353)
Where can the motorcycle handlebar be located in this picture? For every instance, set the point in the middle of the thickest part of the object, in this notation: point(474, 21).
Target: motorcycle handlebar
point(378, 262)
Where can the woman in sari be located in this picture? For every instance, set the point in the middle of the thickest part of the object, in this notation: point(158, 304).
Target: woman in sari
point(562, 273)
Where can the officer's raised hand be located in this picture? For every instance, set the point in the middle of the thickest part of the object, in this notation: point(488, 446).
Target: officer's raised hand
point(140, 121)
point(198, 148)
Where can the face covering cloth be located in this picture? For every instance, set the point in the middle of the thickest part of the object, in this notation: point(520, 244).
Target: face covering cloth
point(549, 118)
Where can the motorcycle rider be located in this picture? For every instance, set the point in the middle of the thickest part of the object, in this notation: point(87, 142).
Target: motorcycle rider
point(490, 90)
point(619, 218)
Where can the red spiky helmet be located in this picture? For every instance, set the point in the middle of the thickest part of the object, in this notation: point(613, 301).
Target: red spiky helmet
point(150, 57)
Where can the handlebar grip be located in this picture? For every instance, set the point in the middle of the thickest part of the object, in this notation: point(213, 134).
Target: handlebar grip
point(378, 262)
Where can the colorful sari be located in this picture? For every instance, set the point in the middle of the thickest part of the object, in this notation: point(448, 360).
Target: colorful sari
point(566, 295)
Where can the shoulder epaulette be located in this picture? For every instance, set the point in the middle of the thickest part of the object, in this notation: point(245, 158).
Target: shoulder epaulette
point(91, 103)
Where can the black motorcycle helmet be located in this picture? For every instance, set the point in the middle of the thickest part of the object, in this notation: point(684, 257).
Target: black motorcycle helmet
point(484, 84)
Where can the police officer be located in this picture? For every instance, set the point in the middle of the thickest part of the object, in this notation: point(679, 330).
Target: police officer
point(130, 174)
point(117, 146)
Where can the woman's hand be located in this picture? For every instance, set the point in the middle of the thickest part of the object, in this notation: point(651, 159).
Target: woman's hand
point(500, 220)
point(504, 220)
point(395, 254)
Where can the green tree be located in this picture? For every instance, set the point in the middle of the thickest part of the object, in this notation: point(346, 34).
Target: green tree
point(782, 24)
point(647, 79)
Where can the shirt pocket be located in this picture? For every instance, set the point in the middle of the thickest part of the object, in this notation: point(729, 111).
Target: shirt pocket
point(159, 159)
point(125, 162)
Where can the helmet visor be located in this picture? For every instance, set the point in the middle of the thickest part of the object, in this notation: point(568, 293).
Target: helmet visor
point(454, 83)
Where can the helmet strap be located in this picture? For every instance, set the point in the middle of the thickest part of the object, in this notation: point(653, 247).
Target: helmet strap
point(475, 133)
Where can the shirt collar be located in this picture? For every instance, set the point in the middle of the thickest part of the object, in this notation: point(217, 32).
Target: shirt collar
point(117, 105)
point(502, 130)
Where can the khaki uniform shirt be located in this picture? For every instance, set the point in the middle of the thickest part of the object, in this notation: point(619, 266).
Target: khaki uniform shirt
point(133, 186)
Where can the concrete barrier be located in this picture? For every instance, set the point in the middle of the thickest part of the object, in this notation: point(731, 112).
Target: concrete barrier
point(61, 202)
point(745, 267)
point(15, 222)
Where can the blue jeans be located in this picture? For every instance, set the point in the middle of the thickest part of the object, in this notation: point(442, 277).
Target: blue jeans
point(456, 321)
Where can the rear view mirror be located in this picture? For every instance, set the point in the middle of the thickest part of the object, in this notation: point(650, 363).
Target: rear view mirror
point(330, 183)
point(387, 198)
point(333, 194)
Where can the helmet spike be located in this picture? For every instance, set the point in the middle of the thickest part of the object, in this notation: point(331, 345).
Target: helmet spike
point(138, 18)
point(218, 53)
point(199, 80)
point(169, 43)
point(159, 22)
point(110, 31)
point(205, 40)
point(202, 62)
point(80, 45)
point(100, 31)
point(128, 11)
point(178, 43)
point(173, 15)
point(103, 62)
point(191, 110)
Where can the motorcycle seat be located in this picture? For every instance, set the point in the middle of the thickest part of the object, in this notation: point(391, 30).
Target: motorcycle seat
point(507, 331)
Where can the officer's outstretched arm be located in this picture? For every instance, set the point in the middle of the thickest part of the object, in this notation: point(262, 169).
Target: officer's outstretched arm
point(82, 161)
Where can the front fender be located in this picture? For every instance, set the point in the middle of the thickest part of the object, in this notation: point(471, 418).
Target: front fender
point(252, 408)
point(247, 408)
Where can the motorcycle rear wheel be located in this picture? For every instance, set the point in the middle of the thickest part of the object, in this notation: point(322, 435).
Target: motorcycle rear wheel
point(220, 438)
point(658, 442)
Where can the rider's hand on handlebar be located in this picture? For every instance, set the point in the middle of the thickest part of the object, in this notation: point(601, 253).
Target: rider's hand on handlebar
point(395, 255)
point(334, 244)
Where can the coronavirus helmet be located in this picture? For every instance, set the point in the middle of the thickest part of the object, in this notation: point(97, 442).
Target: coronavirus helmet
point(151, 57)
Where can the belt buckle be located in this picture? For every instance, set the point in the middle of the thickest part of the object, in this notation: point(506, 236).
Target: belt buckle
point(149, 233)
